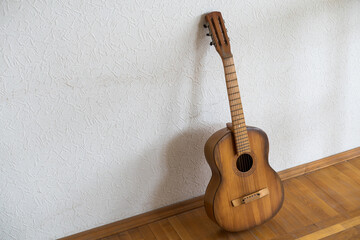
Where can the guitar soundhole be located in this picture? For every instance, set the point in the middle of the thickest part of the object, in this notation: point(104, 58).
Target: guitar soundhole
point(244, 162)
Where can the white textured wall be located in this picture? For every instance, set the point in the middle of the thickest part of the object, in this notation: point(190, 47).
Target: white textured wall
point(105, 105)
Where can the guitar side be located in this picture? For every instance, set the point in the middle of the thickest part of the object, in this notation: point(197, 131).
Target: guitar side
point(228, 183)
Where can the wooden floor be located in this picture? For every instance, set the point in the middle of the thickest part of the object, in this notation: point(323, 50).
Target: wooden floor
point(324, 204)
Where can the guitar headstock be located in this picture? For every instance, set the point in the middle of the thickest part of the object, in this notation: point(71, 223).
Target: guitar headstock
point(218, 33)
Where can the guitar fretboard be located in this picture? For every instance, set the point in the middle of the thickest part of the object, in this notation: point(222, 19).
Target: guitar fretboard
point(237, 114)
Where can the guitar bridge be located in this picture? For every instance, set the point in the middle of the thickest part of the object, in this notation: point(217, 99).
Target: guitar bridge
point(251, 197)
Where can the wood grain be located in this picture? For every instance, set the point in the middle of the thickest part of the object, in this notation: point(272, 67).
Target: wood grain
point(279, 225)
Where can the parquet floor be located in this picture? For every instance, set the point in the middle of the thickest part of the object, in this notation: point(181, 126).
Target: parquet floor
point(324, 204)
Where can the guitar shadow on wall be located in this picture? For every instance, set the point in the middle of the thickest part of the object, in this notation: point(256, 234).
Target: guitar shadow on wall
point(187, 173)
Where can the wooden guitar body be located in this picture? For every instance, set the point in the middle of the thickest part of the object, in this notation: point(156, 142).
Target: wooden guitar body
point(228, 183)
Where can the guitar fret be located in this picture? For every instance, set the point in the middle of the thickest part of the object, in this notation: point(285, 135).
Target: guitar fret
point(232, 87)
point(234, 99)
point(237, 115)
point(240, 128)
point(228, 57)
point(229, 65)
point(233, 93)
point(241, 131)
point(246, 149)
point(235, 105)
point(243, 147)
point(235, 111)
point(240, 118)
point(243, 144)
point(231, 80)
point(229, 73)
point(243, 138)
point(237, 120)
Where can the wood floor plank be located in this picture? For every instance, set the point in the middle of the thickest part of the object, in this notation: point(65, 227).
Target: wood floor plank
point(348, 177)
point(318, 226)
point(322, 194)
point(120, 236)
point(288, 221)
point(113, 237)
point(305, 231)
point(351, 222)
point(323, 233)
point(332, 230)
point(355, 162)
point(180, 228)
point(146, 232)
point(200, 226)
point(263, 232)
point(336, 189)
point(297, 211)
point(283, 237)
point(349, 170)
point(275, 226)
point(163, 230)
point(204, 223)
point(331, 221)
point(351, 233)
point(191, 224)
point(135, 234)
point(354, 213)
point(309, 202)
point(170, 231)
point(245, 235)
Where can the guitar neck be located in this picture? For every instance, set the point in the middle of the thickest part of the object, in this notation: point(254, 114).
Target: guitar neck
point(237, 114)
point(221, 41)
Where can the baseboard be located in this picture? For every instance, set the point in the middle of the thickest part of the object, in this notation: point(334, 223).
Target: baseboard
point(319, 164)
point(177, 208)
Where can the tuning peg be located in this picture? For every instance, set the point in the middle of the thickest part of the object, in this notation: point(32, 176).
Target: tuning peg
point(205, 26)
point(208, 34)
point(211, 43)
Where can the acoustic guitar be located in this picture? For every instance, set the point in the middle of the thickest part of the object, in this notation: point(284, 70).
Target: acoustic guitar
point(244, 191)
